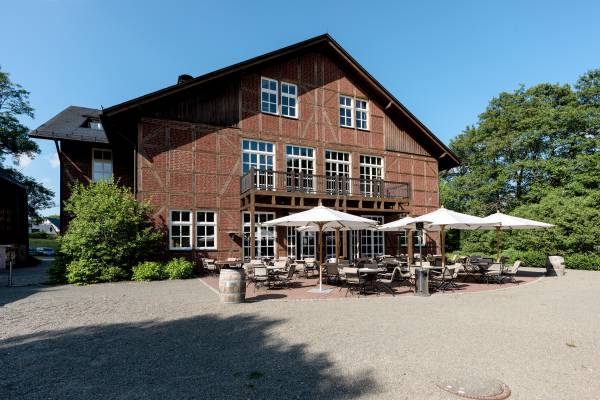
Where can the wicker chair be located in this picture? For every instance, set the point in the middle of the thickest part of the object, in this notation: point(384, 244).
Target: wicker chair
point(209, 265)
point(354, 282)
point(332, 272)
point(445, 281)
point(510, 273)
point(260, 277)
point(284, 279)
point(387, 282)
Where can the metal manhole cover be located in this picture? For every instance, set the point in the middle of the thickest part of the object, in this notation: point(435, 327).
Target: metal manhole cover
point(477, 388)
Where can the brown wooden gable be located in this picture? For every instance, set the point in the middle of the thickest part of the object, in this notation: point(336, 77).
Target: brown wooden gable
point(211, 98)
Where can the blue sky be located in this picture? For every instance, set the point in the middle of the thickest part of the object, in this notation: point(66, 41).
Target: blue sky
point(443, 59)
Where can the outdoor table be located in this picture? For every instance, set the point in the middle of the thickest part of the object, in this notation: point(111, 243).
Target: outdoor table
point(370, 276)
point(228, 264)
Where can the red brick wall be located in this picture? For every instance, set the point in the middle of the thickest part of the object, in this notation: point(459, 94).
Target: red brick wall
point(197, 166)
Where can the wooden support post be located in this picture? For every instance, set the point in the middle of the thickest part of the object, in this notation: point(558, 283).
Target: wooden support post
point(252, 229)
point(409, 243)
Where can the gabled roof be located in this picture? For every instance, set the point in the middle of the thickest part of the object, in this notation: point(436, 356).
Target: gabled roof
point(447, 159)
point(72, 124)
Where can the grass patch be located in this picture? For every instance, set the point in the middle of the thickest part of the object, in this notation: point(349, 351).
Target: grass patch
point(52, 243)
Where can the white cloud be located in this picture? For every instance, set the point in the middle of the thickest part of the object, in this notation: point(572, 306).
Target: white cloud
point(53, 160)
point(24, 160)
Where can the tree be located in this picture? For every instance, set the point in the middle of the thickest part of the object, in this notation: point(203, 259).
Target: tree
point(109, 233)
point(14, 141)
point(534, 152)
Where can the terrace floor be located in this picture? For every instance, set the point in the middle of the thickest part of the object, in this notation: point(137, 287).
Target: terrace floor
point(300, 288)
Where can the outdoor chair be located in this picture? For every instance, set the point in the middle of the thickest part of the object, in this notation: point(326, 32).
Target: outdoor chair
point(249, 270)
point(284, 279)
point(310, 264)
point(209, 265)
point(332, 272)
point(445, 280)
point(386, 282)
point(511, 272)
point(300, 269)
point(354, 283)
point(282, 265)
point(261, 277)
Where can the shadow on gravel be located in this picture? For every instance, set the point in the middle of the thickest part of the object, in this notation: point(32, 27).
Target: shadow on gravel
point(26, 281)
point(204, 357)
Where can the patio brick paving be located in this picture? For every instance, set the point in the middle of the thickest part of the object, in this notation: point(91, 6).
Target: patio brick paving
point(299, 288)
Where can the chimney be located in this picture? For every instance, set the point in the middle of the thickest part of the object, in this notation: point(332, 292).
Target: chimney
point(184, 78)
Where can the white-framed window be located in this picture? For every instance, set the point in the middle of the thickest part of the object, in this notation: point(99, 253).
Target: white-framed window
point(95, 125)
point(329, 238)
point(300, 168)
point(401, 240)
point(372, 241)
point(102, 165)
point(206, 230)
point(337, 167)
point(418, 240)
point(260, 156)
point(371, 173)
point(268, 95)
point(180, 230)
point(362, 112)
point(301, 244)
point(289, 100)
point(264, 236)
point(346, 111)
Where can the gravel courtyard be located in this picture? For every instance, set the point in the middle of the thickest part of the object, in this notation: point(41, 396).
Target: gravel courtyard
point(173, 340)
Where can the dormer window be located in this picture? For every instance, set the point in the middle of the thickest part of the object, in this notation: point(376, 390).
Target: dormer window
point(96, 125)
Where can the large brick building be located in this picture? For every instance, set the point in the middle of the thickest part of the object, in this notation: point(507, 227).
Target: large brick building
point(218, 154)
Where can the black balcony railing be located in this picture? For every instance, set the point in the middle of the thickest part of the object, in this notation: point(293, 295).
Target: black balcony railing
point(277, 181)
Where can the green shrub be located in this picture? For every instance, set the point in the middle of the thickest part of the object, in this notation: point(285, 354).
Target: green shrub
point(589, 261)
point(83, 272)
point(179, 268)
point(38, 235)
point(148, 271)
point(57, 273)
point(109, 229)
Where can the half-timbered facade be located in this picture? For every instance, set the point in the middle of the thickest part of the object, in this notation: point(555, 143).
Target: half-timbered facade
point(219, 154)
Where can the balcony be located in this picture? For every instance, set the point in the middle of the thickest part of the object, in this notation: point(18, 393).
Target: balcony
point(273, 187)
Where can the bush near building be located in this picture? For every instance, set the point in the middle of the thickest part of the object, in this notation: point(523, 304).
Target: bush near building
point(109, 233)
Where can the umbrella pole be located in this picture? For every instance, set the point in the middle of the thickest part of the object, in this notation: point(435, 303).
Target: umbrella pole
point(498, 243)
point(321, 257)
point(443, 250)
point(337, 245)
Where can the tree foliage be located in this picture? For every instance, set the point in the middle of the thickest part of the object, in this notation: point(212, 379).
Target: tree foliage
point(14, 141)
point(110, 232)
point(535, 153)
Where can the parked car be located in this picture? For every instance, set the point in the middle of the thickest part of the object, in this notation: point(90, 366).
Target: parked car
point(33, 251)
point(45, 251)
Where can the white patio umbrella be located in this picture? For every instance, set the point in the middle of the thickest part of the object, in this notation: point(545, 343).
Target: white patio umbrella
point(442, 219)
point(502, 221)
point(398, 225)
point(323, 218)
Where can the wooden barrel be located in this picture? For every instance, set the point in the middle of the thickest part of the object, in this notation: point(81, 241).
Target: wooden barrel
point(555, 266)
point(232, 285)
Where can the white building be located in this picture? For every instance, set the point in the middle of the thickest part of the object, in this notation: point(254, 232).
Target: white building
point(47, 225)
